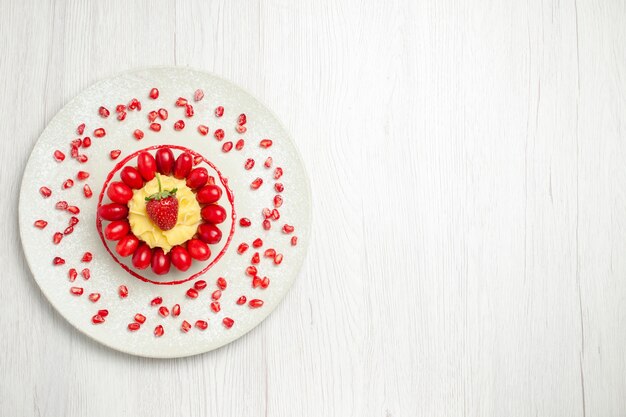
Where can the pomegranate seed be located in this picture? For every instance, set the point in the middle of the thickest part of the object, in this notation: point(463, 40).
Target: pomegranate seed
point(74, 152)
point(288, 229)
point(154, 93)
point(197, 160)
point(278, 258)
point(239, 144)
point(265, 282)
point(134, 104)
point(227, 146)
point(256, 282)
point(198, 95)
point(87, 142)
point(82, 158)
point(68, 183)
point(215, 306)
point(122, 291)
point(56, 239)
point(155, 127)
point(73, 221)
point(138, 134)
point(59, 156)
point(266, 224)
point(200, 285)
point(265, 143)
point(164, 311)
point(228, 322)
point(202, 324)
point(103, 112)
point(242, 119)
point(179, 125)
point(211, 180)
point(255, 303)
point(221, 283)
point(45, 192)
point(216, 295)
point(256, 184)
point(87, 257)
point(97, 319)
point(152, 116)
point(140, 318)
point(72, 274)
point(76, 291)
point(219, 134)
point(241, 300)
point(249, 164)
point(188, 110)
point(255, 258)
point(99, 132)
point(176, 310)
point(185, 326)
point(120, 108)
point(156, 301)
point(41, 224)
point(86, 274)
point(80, 129)
point(181, 102)
point(275, 214)
point(268, 162)
point(82, 175)
point(269, 253)
point(204, 130)
point(267, 213)
point(121, 116)
point(219, 111)
point(61, 205)
point(244, 222)
point(87, 191)
point(241, 129)
point(192, 293)
point(257, 243)
point(133, 327)
point(159, 331)
point(279, 187)
point(251, 270)
point(103, 313)
point(278, 172)
point(115, 153)
point(278, 201)
point(242, 248)
point(94, 297)
point(68, 230)
point(58, 261)
point(162, 114)
point(73, 209)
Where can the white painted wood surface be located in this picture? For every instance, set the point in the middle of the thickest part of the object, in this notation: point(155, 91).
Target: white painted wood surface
point(468, 164)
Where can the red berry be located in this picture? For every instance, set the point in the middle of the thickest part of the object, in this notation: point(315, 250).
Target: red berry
point(131, 177)
point(182, 166)
point(156, 127)
point(159, 331)
point(202, 324)
point(76, 290)
point(146, 164)
point(59, 156)
point(140, 318)
point(133, 327)
point(242, 248)
point(221, 283)
point(209, 194)
point(255, 303)
point(156, 301)
point(228, 322)
point(162, 114)
point(138, 134)
point(122, 291)
point(241, 300)
point(188, 110)
point(87, 257)
point(203, 130)
point(198, 250)
point(227, 146)
point(239, 144)
point(72, 274)
point(219, 134)
point(113, 211)
point(119, 192)
point(181, 102)
point(165, 161)
point(192, 293)
point(164, 311)
point(99, 132)
point(219, 111)
point(197, 178)
point(209, 233)
point(160, 262)
point(45, 192)
point(41, 224)
point(249, 164)
point(278, 172)
point(93, 297)
point(179, 125)
point(80, 129)
point(198, 95)
point(127, 245)
point(142, 258)
point(115, 153)
point(180, 258)
point(213, 213)
point(256, 183)
point(116, 229)
point(185, 326)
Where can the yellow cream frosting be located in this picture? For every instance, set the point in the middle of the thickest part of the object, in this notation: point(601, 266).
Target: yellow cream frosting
point(188, 214)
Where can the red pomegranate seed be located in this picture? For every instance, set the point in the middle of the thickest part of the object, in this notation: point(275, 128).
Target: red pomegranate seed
point(202, 324)
point(103, 313)
point(216, 295)
point(251, 270)
point(87, 191)
point(87, 142)
point(185, 326)
point(278, 172)
point(268, 162)
point(279, 187)
point(266, 224)
point(278, 258)
point(121, 116)
point(138, 134)
point(198, 95)
point(176, 310)
point(76, 290)
point(68, 230)
point(103, 112)
point(97, 319)
point(215, 306)
point(221, 283)
point(115, 153)
point(255, 303)
point(58, 261)
point(219, 111)
point(256, 282)
point(99, 132)
point(256, 183)
point(244, 222)
point(265, 282)
point(73, 209)
point(87, 257)
point(134, 104)
point(45, 192)
point(242, 248)
point(68, 183)
point(241, 300)
point(61, 205)
point(288, 229)
point(56, 238)
point(278, 201)
point(120, 108)
point(74, 152)
point(200, 285)
point(41, 224)
point(162, 114)
point(255, 258)
point(188, 110)
point(140, 318)
point(219, 134)
point(76, 143)
point(155, 127)
point(241, 129)
point(164, 311)
point(154, 93)
point(239, 144)
point(73, 221)
point(204, 130)
point(227, 146)
point(265, 143)
point(80, 129)
point(197, 160)
point(267, 213)
point(258, 242)
point(82, 158)
point(122, 291)
point(133, 327)
point(152, 116)
point(59, 156)
point(82, 175)
point(156, 301)
point(179, 125)
point(192, 293)
point(159, 331)
point(181, 102)
point(249, 164)
point(94, 297)
point(275, 214)
point(269, 253)
point(72, 274)
point(242, 119)
point(85, 273)
point(228, 322)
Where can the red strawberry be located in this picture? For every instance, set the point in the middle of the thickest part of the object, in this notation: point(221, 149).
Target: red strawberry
point(162, 207)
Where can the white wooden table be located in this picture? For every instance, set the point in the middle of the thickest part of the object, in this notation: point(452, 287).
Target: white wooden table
point(468, 164)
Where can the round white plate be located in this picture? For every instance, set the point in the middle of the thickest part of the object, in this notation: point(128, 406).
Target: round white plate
point(107, 275)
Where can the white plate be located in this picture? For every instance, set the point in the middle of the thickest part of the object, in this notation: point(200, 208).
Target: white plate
point(106, 274)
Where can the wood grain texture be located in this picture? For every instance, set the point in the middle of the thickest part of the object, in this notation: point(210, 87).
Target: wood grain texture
point(467, 166)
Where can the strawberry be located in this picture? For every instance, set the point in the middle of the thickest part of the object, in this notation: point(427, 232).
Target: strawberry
point(162, 207)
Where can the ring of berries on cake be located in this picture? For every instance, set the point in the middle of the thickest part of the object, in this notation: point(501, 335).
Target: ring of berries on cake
point(159, 213)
